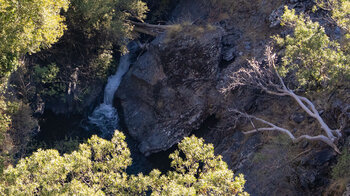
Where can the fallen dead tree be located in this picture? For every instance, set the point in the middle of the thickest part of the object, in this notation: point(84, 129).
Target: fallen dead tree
point(268, 79)
point(149, 29)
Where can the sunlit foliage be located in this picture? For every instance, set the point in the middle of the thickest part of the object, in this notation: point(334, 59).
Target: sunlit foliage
point(26, 27)
point(99, 168)
point(310, 54)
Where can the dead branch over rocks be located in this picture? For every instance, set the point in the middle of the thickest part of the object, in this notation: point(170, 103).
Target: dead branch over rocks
point(266, 77)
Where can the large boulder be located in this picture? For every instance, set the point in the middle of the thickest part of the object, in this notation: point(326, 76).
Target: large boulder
point(170, 90)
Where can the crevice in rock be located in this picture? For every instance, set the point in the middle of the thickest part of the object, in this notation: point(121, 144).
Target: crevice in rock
point(161, 160)
point(208, 124)
point(224, 64)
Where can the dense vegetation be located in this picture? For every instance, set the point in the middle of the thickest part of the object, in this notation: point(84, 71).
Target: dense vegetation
point(316, 60)
point(98, 168)
point(26, 27)
point(89, 30)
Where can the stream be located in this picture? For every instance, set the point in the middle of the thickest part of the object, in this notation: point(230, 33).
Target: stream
point(105, 118)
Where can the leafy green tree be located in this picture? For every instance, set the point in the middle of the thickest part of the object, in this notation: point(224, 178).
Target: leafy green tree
point(98, 168)
point(198, 172)
point(340, 11)
point(108, 19)
point(27, 26)
point(310, 54)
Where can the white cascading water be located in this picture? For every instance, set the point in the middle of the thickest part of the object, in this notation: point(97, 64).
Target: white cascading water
point(105, 116)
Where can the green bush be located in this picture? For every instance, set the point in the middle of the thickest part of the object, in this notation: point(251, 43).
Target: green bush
point(309, 53)
point(26, 27)
point(342, 168)
point(98, 168)
point(47, 82)
point(108, 19)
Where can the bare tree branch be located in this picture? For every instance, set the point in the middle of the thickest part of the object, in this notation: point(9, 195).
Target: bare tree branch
point(268, 79)
point(274, 127)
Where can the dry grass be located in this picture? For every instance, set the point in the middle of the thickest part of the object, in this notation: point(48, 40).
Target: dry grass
point(337, 188)
point(187, 29)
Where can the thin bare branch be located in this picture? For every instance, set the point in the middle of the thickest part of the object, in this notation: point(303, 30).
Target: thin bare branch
point(274, 127)
point(268, 79)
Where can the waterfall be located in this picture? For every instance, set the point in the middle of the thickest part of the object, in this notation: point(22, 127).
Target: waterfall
point(105, 116)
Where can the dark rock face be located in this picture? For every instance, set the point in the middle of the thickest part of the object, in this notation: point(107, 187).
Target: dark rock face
point(170, 90)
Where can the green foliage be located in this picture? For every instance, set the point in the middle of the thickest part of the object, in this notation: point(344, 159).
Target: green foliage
point(47, 82)
point(310, 54)
point(83, 58)
point(342, 168)
point(4, 118)
point(199, 172)
point(46, 74)
point(5, 122)
point(340, 11)
point(16, 135)
point(27, 26)
point(109, 17)
point(98, 168)
point(100, 66)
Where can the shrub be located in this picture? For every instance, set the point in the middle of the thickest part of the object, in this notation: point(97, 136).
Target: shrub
point(342, 169)
point(98, 168)
point(27, 26)
point(315, 60)
point(108, 18)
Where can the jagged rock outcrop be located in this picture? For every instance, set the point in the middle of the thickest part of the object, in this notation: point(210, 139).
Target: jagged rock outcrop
point(170, 90)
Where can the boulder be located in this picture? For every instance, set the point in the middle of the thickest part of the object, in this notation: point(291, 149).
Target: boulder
point(170, 89)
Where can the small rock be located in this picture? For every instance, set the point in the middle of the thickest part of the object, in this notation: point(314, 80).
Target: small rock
point(307, 178)
point(247, 45)
point(229, 40)
point(310, 120)
point(337, 33)
point(275, 16)
point(298, 117)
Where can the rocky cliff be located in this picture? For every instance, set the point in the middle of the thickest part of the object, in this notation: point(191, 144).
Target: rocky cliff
point(173, 89)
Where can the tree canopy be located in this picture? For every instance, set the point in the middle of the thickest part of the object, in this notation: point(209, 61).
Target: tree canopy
point(99, 168)
point(310, 54)
point(27, 26)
